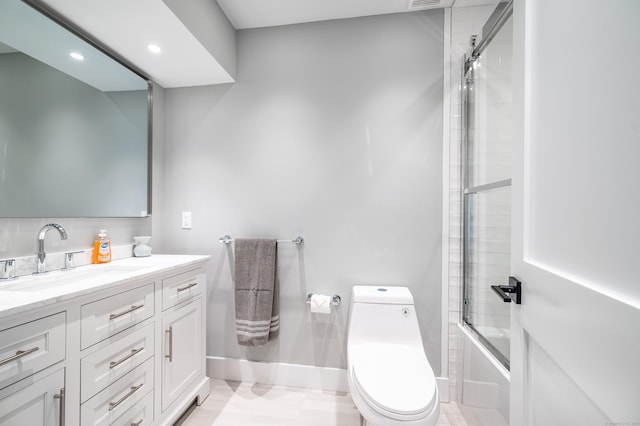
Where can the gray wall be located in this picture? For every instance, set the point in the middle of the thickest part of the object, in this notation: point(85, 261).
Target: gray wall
point(18, 236)
point(333, 131)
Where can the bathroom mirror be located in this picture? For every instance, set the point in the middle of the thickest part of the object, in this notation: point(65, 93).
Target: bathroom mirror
point(74, 124)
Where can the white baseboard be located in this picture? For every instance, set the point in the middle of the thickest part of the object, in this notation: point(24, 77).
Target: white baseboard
point(279, 374)
point(443, 388)
point(295, 375)
point(173, 413)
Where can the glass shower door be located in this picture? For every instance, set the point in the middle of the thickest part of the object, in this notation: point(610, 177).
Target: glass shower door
point(487, 193)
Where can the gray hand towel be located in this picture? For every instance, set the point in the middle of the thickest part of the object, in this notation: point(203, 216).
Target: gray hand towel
point(256, 292)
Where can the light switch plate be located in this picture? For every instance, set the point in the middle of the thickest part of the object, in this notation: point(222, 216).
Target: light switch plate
point(186, 220)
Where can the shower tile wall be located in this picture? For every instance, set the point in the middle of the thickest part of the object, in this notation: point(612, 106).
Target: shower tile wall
point(464, 23)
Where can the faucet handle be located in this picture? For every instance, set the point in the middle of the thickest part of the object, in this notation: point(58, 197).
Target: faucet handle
point(8, 270)
point(68, 260)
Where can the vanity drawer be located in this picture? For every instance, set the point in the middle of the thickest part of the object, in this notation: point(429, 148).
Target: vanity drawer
point(107, 365)
point(108, 406)
point(181, 287)
point(140, 414)
point(106, 317)
point(31, 347)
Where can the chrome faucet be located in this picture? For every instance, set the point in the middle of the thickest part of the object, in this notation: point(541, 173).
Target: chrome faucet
point(41, 255)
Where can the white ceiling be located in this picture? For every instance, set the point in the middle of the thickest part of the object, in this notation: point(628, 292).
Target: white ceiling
point(266, 13)
point(128, 27)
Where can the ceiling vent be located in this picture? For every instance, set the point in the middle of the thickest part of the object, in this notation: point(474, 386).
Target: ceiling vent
point(424, 4)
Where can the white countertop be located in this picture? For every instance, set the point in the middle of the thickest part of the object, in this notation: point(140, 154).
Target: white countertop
point(34, 291)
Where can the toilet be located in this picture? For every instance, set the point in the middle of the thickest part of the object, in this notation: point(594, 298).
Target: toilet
point(390, 379)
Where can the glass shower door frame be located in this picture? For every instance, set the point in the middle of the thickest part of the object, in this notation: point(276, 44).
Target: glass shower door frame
point(469, 191)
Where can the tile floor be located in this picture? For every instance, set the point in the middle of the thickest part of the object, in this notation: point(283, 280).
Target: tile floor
point(236, 403)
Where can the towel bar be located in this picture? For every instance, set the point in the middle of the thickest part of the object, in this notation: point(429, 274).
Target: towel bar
point(335, 300)
point(298, 241)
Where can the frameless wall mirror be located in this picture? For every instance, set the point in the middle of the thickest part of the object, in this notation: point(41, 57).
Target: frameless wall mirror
point(74, 124)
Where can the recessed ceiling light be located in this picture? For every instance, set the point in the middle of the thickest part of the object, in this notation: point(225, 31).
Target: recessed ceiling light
point(77, 56)
point(154, 48)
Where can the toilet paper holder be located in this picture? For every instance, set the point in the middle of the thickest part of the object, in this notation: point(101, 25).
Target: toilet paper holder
point(335, 300)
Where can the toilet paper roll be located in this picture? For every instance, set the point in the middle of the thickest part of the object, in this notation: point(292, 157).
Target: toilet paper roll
point(320, 304)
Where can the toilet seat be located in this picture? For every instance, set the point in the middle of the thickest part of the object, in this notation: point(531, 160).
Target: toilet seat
point(395, 380)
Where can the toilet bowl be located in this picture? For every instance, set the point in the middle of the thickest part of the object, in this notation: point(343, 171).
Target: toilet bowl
point(390, 379)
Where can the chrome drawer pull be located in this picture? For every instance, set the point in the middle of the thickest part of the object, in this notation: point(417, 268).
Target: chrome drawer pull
point(61, 397)
point(133, 390)
point(18, 355)
point(131, 309)
point(187, 287)
point(170, 356)
point(114, 364)
point(138, 423)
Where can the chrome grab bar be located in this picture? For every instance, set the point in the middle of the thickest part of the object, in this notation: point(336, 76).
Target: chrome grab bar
point(131, 309)
point(18, 355)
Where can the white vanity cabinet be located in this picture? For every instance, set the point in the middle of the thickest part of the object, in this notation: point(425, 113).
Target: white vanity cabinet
point(181, 364)
point(32, 390)
point(119, 397)
point(34, 403)
point(182, 287)
point(106, 317)
point(30, 347)
point(124, 349)
point(183, 333)
point(107, 364)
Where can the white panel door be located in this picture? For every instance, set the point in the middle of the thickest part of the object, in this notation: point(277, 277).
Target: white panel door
point(576, 213)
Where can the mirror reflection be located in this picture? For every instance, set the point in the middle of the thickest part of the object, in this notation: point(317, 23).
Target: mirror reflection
point(73, 124)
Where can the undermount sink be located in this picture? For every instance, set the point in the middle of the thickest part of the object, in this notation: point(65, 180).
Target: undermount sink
point(71, 277)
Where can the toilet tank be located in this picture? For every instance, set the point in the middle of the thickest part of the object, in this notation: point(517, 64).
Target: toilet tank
point(381, 294)
point(383, 314)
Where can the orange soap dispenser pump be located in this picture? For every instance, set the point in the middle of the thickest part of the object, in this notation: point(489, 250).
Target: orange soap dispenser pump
point(102, 248)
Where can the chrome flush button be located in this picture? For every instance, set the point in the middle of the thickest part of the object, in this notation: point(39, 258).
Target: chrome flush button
point(405, 312)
